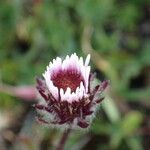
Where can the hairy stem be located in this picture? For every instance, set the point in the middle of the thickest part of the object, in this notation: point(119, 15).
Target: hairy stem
point(63, 139)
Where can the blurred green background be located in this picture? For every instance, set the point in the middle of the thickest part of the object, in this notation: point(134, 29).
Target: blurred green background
point(117, 35)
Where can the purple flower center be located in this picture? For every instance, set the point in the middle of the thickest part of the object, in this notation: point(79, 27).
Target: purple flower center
point(67, 78)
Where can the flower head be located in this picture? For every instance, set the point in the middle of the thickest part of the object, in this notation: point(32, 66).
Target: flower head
point(68, 98)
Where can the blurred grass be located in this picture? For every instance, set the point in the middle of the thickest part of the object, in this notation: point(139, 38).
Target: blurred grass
point(115, 32)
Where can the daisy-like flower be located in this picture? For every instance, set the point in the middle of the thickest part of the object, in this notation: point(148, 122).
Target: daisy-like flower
point(67, 95)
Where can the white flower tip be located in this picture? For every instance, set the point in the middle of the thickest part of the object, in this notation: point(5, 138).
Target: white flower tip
point(68, 91)
point(67, 57)
point(61, 91)
point(81, 61)
point(77, 90)
point(58, 60)
point(44, 75)
point(87, 60)
point(74, 54)
point(82, 87)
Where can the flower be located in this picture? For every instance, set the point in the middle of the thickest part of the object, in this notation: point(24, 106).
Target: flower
point(68, 97)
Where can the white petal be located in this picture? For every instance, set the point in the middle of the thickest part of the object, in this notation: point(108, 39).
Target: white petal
point(77, 93)
point(82, 86)
point(53, 89)
point(49, 83)
point(75, 64)
point(67, 95)
point(81, 61)
point(77, 90)
point(62, 94)
point(58, 61)
point(76, 58)
point(54, 61)
point(57, 65)
point(68, 91)
point(65, 62)
point(74, 97)
point(87, 60)
point(81, 90)
point(87, 73)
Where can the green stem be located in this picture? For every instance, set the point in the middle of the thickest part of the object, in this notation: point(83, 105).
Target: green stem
point(63, 139)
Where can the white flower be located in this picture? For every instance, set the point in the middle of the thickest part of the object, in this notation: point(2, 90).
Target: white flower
point(68, 97)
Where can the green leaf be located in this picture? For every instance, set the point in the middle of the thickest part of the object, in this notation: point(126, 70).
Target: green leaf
point(131, 122)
